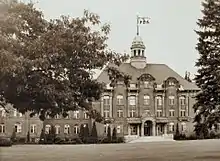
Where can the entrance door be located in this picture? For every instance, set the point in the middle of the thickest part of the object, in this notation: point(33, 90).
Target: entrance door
point(148, 128)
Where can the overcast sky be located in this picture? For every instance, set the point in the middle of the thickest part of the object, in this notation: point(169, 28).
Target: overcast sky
point(169, 38)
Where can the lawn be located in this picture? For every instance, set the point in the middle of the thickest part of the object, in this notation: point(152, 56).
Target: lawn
point(205, 150)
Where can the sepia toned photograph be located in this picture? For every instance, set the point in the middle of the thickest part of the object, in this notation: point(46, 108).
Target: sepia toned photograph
point(101, 80)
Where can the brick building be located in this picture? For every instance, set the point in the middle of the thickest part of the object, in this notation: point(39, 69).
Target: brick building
point(156, 99)
point(21, 123)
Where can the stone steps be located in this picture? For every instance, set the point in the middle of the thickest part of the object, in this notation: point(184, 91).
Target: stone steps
point(139, 139)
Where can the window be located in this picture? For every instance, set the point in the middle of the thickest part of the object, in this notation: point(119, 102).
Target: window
point(106, 128)
point(182, 101)
point(2, 128)
point(76, 129)
point(119, 100)
point(132, 113)
point(159, 113)
point(106, 100)
point(119, 129)
point(66, 129)
point(2, 112)
point(172, 113)
point(57, 129)
point(183, 126)
point(159, 101)
point(86, 116)
point(120, 113)
point(106, 113)
point(47, 129)
point(18, 128)
point(171, 100)
point(68, 115)
point(183, 113)
point(33, 128)
point(171, 127)
point(15, 113)
point(132, 100)
point(132, 85)
point(76, 114)
point(146, 100)
point(146, 84)
point(139, 52)
point(171, 83)
point(57, 116)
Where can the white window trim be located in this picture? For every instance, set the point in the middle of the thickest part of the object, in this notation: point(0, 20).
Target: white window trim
point(171, 100)
point(132, 100)
point(146, 100)
point(2, 127)
point(47, 128)
point(57, 129)
point(66, 129)
point(76, 114)
point(120, 99)
point(19, 128)
point(33, 128)
point(76, 129)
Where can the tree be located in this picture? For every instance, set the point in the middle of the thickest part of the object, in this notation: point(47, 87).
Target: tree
point(109, 134)
point(52, 135)
point(13, 136)
point(28, 137)
point(81, 132)
point(46, 67)
point(94, 134)
point(207, 105)
point(114, 134)
point(86, 133)
point(42, 137)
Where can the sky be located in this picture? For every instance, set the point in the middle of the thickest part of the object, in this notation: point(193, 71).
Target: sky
point(169, 38)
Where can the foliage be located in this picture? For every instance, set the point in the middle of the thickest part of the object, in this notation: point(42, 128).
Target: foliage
point(81, 132)
point(207, 107)
point(94, 135)
point(28, 137)
point(109, 137)
point(13, 136)
point(46, 67)
point(4, 142)
point(42, 137)
point(114, 134)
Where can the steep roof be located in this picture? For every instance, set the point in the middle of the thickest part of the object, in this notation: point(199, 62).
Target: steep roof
point(159, 71)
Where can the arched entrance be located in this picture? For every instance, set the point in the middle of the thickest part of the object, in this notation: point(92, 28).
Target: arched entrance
point(148, 125)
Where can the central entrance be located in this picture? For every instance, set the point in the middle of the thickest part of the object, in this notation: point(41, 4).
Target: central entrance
point(148, 128)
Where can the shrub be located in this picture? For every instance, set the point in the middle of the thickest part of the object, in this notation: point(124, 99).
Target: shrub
point(5, 142)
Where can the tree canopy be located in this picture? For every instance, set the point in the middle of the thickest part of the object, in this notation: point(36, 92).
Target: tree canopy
point(46, 66)
point(207, 107)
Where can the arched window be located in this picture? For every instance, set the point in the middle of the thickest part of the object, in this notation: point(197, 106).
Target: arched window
point(182, 100)
point(171, 100)
point(171, 127)
point(18, 128)
point(76, 114)
point(142, 52)
point(139, 52)
point(106, 100)
point(159, 101)
point(66, 129)
point(119, 100)
point(57, 129)
point(146, 100)
point(47, 128)
point(76, 129)
point(132, 100)
point(106, 128)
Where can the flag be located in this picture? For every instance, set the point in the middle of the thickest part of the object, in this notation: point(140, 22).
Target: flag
point(143, 20)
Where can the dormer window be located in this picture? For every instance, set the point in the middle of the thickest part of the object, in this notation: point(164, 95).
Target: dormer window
point(146, 84)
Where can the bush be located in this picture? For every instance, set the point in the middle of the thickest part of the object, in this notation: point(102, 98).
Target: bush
point(5, 142)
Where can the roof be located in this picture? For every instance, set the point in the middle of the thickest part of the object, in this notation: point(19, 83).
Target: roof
point(159, 71)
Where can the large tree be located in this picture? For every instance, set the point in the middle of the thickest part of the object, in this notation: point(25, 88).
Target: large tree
point(46, 67)
point(207, 107)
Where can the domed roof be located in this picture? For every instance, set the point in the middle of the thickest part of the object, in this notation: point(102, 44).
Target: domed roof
point(137, 42)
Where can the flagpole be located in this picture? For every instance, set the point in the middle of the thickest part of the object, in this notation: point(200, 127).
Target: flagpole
point(137, 25)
